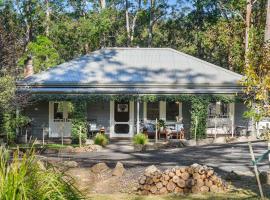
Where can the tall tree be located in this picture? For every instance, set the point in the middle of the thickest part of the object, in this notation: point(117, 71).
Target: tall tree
point(267, 25)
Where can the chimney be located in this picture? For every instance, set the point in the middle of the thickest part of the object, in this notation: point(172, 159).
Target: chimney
point(28, 70)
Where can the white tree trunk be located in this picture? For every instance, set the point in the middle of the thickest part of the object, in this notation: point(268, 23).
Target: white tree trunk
point(47, 18)
point(267, 25)
point(102, 4)
point(127, 23)
point(248, 20)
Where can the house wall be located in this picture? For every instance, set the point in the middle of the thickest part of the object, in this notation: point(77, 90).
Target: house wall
point(100, 112)
point(39, 114)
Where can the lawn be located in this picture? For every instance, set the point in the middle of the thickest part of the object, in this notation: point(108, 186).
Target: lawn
point(241, 194)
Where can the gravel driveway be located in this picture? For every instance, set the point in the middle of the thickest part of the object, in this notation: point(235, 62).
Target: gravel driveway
point(223, 157)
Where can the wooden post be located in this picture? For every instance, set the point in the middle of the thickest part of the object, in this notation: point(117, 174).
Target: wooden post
point(80, 137)
point(256, 169)
point(215, 127)
point(138, 116)
point(196, 124)
point(257, 129)
point(156, 136)
point(62, 134)
point(43, 137)
point(26, 136)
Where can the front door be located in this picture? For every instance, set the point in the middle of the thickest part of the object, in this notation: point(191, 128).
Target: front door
point(59, 119)
point(122, 118)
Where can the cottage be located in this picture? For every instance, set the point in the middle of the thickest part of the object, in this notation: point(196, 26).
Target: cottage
point(126, 87)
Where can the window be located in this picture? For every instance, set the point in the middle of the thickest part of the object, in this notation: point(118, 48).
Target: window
point(58, 110)
point(224, 110)
point(212, 110)
point(218, 109)
point(172, 111)
point(152, 110)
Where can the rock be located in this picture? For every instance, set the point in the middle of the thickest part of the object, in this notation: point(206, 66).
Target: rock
point(265, 177)
point(51, 151)
point(89, 142)
point(118, 170)
point(41, 165)
point(68, 149)
point(188, 142)
point(232, 176)
point(139, 147)
point(70, 164)
point(99, 168)
point(150, 170)
point(220, 140)
point(205, 141)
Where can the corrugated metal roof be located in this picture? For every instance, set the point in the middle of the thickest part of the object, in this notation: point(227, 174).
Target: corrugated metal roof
point(135, 66)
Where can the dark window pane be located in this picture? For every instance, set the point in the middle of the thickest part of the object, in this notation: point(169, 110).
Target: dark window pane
point(224, 110)
point(172, 111)
point(152, 110)
point(121, 128)
point(58, 111)
point(212, 110)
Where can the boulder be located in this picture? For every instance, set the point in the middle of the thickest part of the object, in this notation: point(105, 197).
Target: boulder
point(220, 140)
point(139, 147)
point(206, 141)
point(99, 168)
point(41, 165)
point(118, 170)
point(70, 164)
point(188, 142)
point(265, 177)
point(51, 151)
point(89, 142)
point(68, 149)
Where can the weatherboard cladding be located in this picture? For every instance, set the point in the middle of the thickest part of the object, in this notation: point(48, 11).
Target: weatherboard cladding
point(134, 70)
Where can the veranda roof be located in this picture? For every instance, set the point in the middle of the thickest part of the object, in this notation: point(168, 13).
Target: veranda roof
point(134, 70)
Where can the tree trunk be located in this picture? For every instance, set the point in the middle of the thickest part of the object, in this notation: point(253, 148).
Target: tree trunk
point(134, 21)
point(47, 18)
point(248, 20)
point(267, 25)
point(151, 22)
point(127, 24)
point(102, 4)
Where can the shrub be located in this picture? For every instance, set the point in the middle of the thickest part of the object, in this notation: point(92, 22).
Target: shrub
point(140, 139)
point(101, 139)
point(79, 121)
point(78, 127)
point(28, 178)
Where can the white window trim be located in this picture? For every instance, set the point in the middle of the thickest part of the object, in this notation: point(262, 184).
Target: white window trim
point(162, 111)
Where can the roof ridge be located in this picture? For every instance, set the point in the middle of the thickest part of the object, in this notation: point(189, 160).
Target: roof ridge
point(203, 61)
point(133, 48)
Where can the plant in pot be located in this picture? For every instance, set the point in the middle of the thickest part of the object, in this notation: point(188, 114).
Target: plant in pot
point(21, 122)
point(161, 125)
point(139, 141)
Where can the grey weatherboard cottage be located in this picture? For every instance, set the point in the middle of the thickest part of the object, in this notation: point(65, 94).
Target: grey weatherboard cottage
point(129, 71)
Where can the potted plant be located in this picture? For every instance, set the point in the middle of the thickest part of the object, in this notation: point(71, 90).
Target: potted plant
point(161, 124)
point(139, 141)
